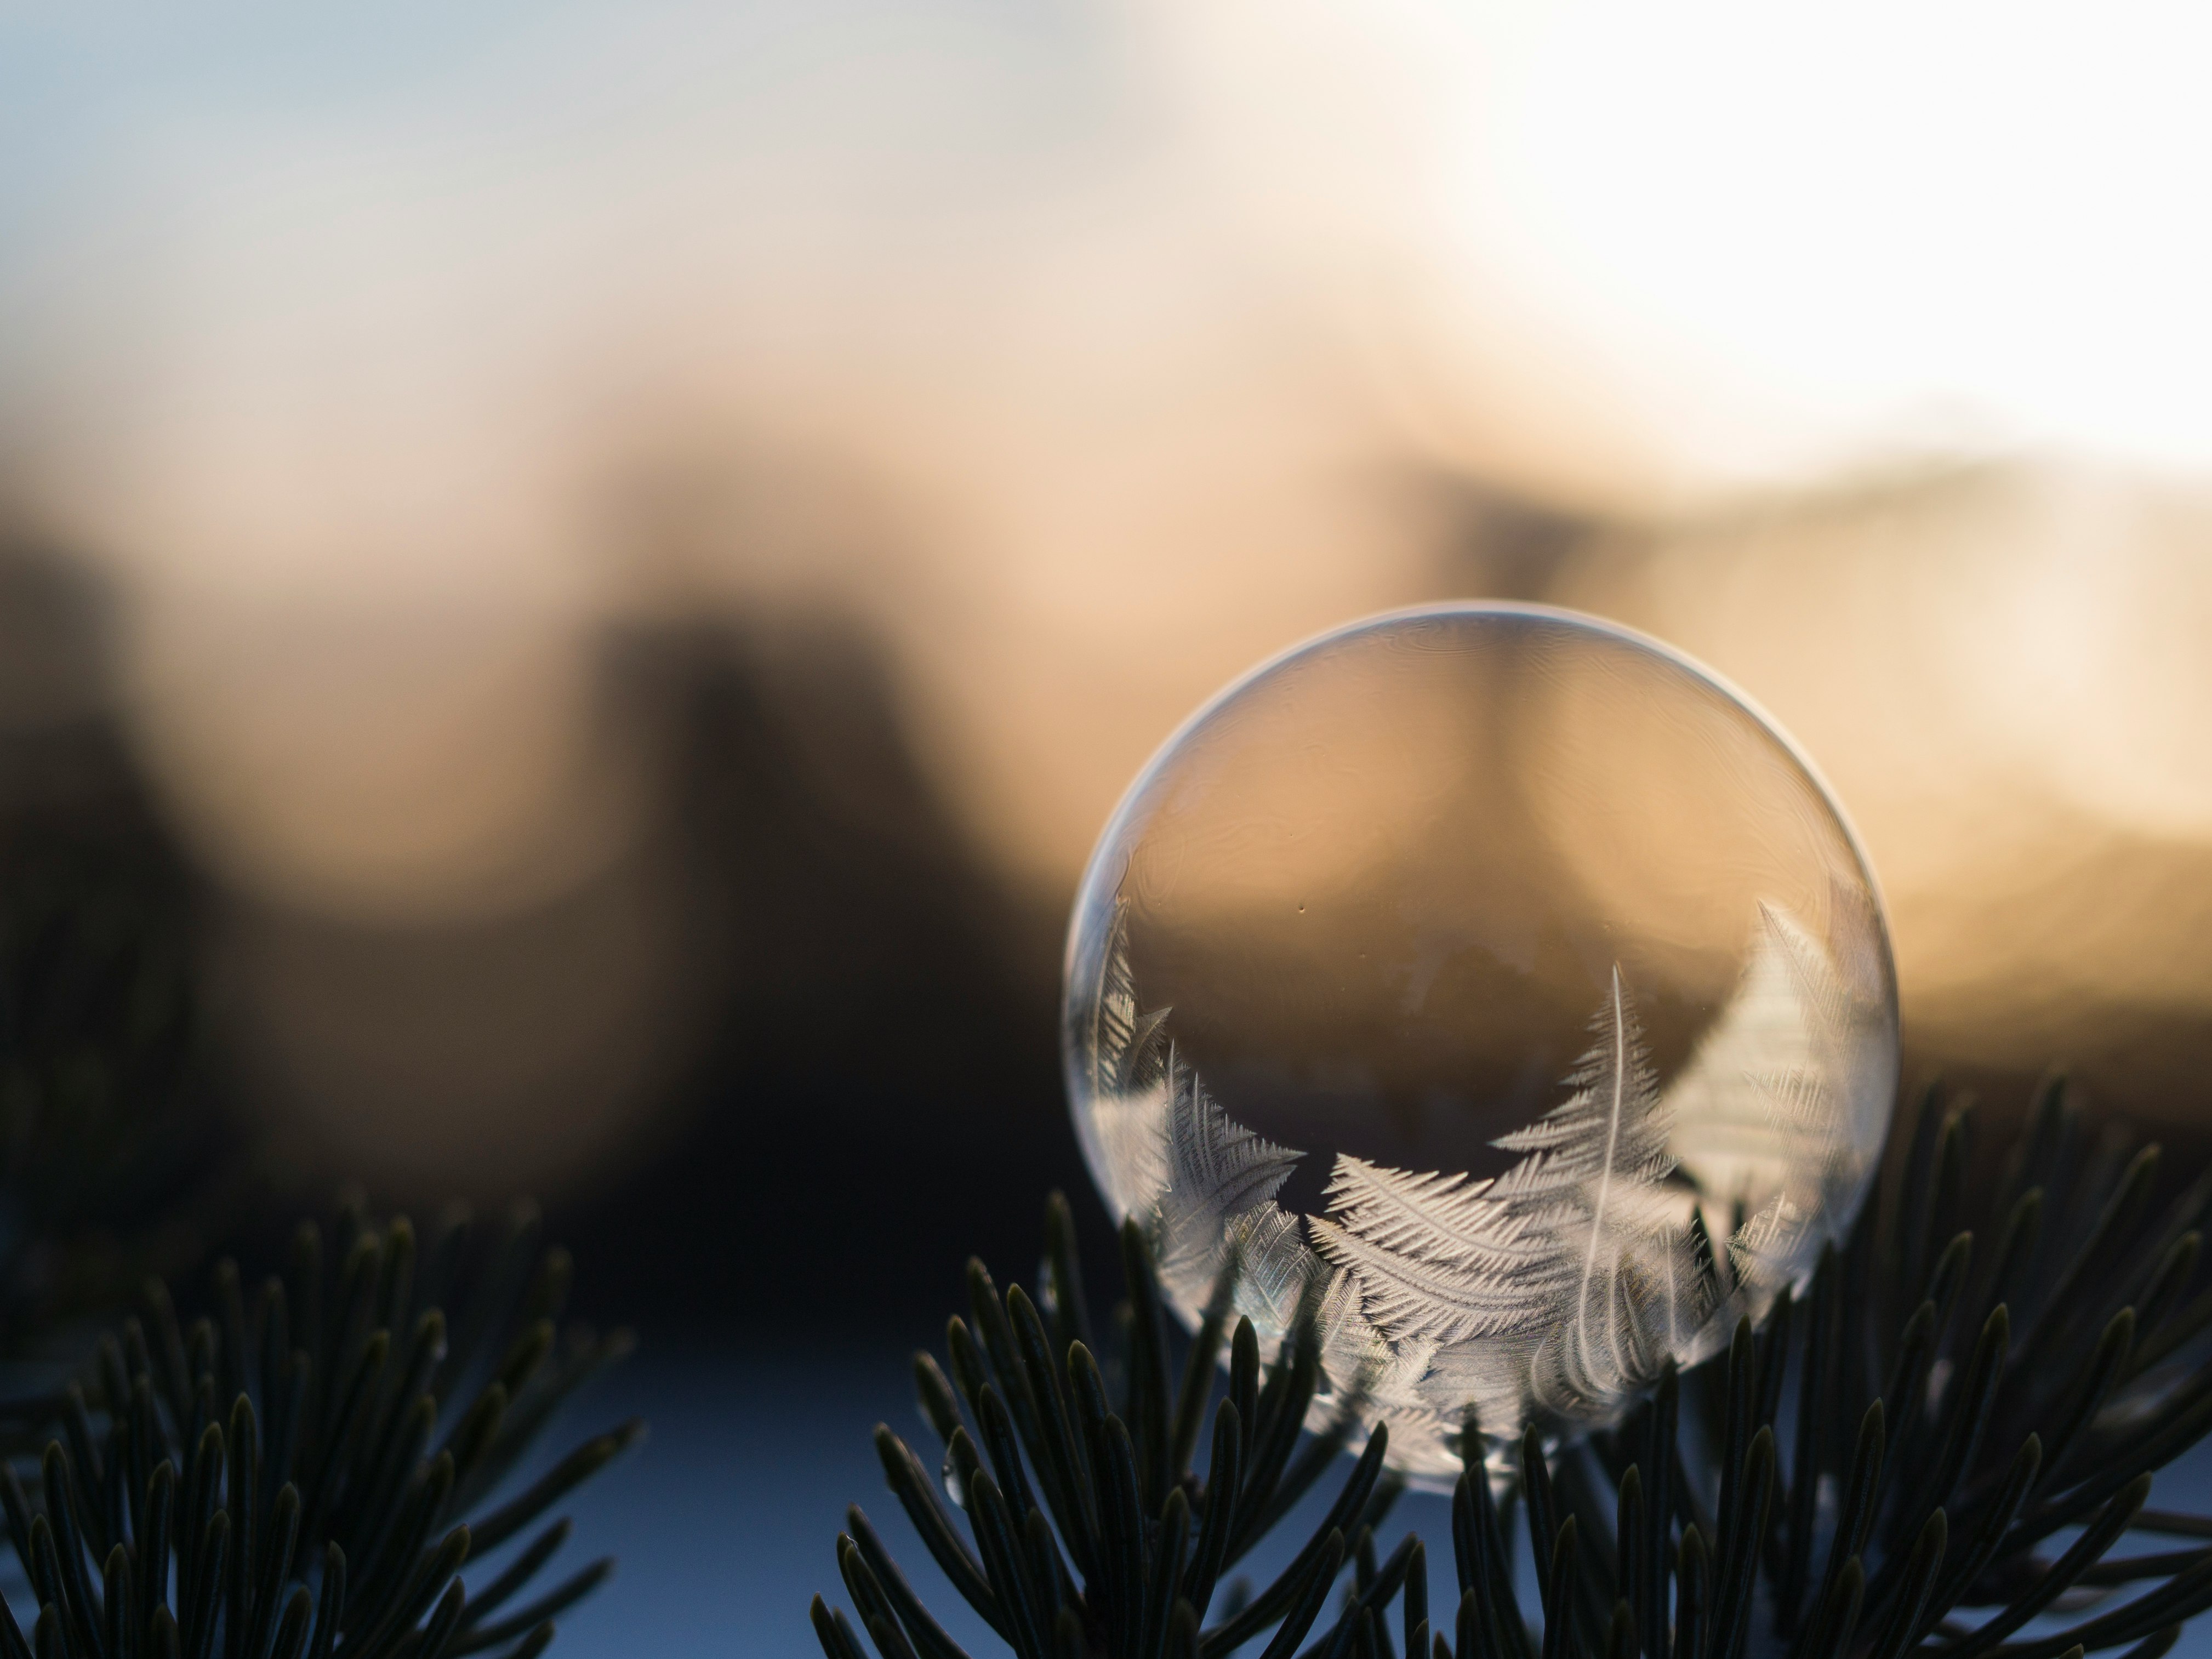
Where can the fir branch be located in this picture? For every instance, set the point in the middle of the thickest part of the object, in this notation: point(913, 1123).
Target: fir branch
point(1873, 1475)
point(309, 1473)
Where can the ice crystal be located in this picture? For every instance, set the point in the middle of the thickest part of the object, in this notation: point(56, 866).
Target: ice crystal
point(1552, 1294)
point(1500, 992)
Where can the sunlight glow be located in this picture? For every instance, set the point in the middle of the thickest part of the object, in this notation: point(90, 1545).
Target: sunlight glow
point(1892, 218)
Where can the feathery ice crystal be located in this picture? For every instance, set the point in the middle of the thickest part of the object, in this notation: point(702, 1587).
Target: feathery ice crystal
point(1497, 984)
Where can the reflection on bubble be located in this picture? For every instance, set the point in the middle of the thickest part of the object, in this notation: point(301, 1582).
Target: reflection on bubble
point(1492, 986)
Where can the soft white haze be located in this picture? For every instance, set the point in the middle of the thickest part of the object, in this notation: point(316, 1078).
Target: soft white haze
point(1764, 240)
point(1079, 353)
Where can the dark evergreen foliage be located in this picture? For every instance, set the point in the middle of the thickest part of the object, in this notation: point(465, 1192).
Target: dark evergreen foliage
point(1941, 1450)
point(309, 1474)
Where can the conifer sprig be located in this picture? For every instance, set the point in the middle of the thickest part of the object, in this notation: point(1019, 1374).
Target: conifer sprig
point(309, 1470)
point(1936, 1450)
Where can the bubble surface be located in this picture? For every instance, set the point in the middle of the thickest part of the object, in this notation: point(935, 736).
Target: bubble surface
point(1499, 992)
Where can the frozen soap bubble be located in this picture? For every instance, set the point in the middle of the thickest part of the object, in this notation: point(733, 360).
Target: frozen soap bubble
point(1497, 986)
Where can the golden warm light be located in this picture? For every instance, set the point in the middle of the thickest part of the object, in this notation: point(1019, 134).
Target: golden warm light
point(418, 392)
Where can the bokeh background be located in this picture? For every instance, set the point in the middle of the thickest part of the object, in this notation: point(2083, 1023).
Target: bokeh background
point(609, 561)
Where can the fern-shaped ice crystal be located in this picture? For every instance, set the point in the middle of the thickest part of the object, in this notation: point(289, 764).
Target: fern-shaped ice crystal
point(1205, 1184)
point(1554, 1291)
point(1781, 1111)
point(1581, 1250)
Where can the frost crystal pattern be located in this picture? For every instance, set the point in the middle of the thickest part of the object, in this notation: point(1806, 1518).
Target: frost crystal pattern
point(1554, 1293)
point(1499, 992)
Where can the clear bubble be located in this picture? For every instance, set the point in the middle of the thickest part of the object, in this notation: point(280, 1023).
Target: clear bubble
point(1498, 989)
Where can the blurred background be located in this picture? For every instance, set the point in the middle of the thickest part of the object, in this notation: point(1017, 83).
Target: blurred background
point(607, 563)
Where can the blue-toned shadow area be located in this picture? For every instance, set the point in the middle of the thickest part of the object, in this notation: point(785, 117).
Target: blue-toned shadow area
point(724, 1519)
